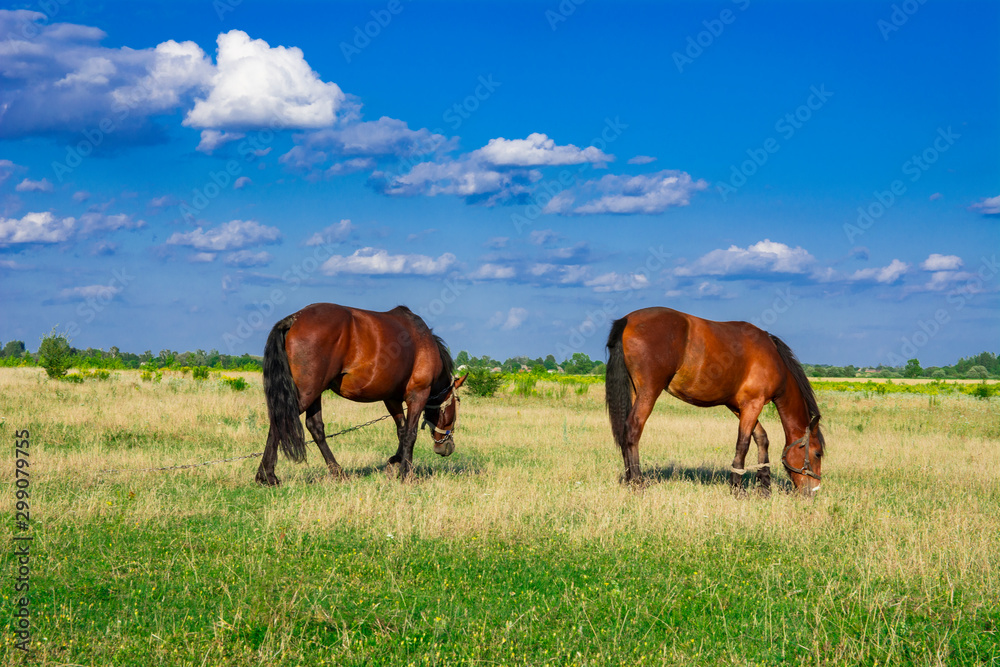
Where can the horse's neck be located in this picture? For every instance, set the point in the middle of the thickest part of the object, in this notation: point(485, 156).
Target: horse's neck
point(793, 409)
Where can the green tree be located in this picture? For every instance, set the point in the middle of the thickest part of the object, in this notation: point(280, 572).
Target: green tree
point(462, 359)
point(54, 354)
point(977, 373)
point(550, 363)
point(912, 369)
point(14, 348)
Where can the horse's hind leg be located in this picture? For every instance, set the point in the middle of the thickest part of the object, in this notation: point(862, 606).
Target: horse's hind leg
point(314, 422)
point(395, 409)
point(643, 407)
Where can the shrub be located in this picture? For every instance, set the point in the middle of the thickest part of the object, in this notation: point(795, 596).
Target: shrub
point(54, 354)
point(524, 385)
point(200, 373)
point(236, 384)
point(76, 378)
point(483, 382)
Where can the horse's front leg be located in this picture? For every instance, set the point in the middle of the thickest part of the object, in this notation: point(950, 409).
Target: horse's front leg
point(748, 422)
point(414, 410)
point(395, 409)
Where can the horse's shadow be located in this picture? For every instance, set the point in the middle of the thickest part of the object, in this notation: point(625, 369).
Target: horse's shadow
point(418, 472)
point(706, 475)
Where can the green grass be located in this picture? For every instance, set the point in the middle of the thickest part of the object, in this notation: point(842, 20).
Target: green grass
point(520, 549)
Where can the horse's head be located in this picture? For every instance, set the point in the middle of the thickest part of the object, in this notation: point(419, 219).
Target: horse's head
point(803, 458)
point(444, 417)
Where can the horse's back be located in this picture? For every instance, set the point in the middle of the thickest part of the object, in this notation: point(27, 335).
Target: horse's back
point(700, 361)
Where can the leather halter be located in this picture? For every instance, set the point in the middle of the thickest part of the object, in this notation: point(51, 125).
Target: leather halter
point(801, 442)
point(448, 401)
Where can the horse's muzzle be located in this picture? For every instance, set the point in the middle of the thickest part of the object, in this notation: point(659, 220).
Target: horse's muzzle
point(444, 448)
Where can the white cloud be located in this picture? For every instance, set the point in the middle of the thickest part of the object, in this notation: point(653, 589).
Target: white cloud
point(491, 271)
point(385, 136)
point(28, 185)
point(232, 235)
point(885, 275)
point(463, 177)
point(935, 196)
point(212, 139)
point(536, 151)
point(988, 206)
point(543, 236)
point(242, 182)
point(618, 282)
point(508, 321)
point(45, 227)
point(937, 262)
point(91, 292)
point(81, 196)
point(372, 261)
point(6, 169)
point(647, 193)
point(641, 159)
point(202, 257)
point(94, 71)
point(762, 257)
point(163, 202)
point(351, 166)
point(176, 70)
point(245, 258)
point(36, 228)
point(335, 233)
point(255, 85)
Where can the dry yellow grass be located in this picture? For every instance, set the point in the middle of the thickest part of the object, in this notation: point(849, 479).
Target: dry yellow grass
point(910, 490)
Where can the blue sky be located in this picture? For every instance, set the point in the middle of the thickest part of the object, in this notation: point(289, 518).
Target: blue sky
point(182, 175)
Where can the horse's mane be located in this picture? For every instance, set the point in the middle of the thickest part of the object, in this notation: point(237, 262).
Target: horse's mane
point(447, 364)
point(795, 368)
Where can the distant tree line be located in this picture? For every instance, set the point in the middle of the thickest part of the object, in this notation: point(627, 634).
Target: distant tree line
point(981, 366)
point(578, 364)
point(15, 353)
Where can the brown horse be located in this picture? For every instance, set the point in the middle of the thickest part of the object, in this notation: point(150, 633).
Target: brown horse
point(363, 356)
point(707, 363)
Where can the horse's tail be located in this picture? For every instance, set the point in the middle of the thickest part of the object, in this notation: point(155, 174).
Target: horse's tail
point(282, 395)
point(618, 383)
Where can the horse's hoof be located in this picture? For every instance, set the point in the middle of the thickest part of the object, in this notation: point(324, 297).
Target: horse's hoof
point(268, 480)
point(394, 459)
point(338, 473)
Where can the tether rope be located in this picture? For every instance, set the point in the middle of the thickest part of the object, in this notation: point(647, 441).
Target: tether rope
point(240, 458)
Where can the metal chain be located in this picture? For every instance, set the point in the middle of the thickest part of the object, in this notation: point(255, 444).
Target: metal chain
point(247, 456)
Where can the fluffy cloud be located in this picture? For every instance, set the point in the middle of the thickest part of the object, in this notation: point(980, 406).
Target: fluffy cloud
point(988, 206)
point(242, 182)
point(537, 150)
point(232, 235)
point(763, 257)
point(508, 321)
point(105, 292)
point(28, 185)
point(245, 258)
point(45, 227)
point(212, 139)
point(937, 262)
point(36, 228)
point(6, 168)
point(618, 282)
point(641, 159)
point(372, 261)
point(385, 136)
point(463, 177)
point(335, 233)
point(628, 195)
point(256, 85)
point(885, 275)
point(490, 271)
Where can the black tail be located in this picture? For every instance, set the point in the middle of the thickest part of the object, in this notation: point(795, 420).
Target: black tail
point(282, 395)
point(795, 368)
point(618, 383)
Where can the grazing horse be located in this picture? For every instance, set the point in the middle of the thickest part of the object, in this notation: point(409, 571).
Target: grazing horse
point(363, 356)
point(707, 363)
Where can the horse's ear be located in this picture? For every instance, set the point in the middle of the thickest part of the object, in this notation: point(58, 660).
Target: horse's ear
point(813, 422)
point(460, 381)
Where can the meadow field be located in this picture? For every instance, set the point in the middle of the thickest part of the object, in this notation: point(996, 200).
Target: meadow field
point(522, 548)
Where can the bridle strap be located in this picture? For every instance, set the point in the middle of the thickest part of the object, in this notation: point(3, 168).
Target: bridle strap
point(453, 398)
point(805, 469)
